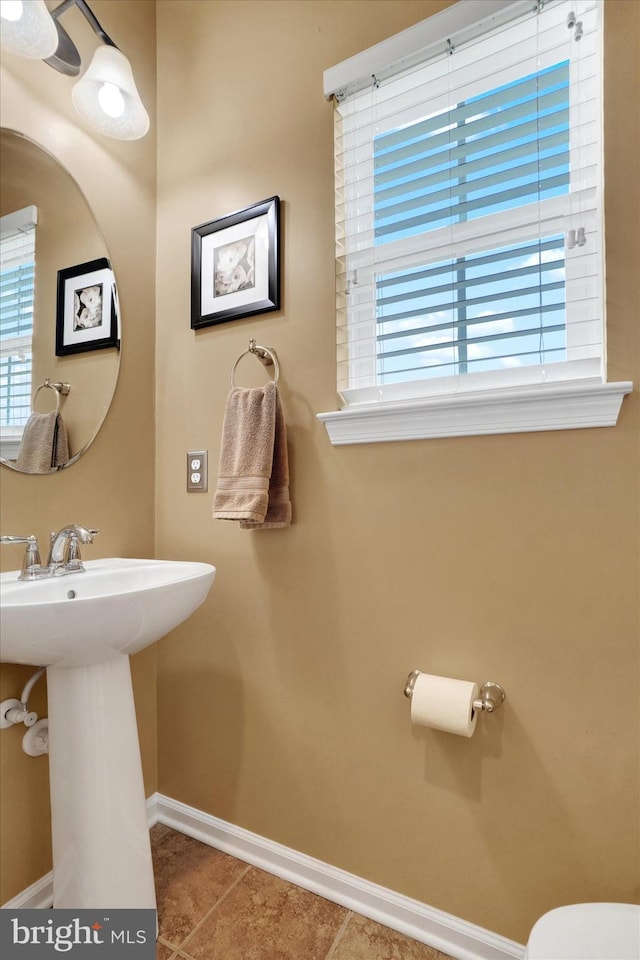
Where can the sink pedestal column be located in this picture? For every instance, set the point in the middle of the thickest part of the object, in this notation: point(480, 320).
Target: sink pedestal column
point(101, 847)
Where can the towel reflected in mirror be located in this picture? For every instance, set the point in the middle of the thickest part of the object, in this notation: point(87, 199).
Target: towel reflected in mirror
point(44, 446)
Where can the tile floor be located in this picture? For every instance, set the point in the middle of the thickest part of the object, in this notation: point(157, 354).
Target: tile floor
point(214, 907)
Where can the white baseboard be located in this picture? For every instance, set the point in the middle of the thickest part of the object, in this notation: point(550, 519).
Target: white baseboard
point(453, 936)
point(39, 896)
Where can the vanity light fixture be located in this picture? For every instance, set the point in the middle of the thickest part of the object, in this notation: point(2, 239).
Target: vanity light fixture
point(105, 96)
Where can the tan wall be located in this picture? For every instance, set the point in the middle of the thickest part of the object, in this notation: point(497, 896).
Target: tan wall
point(112, 486)
point(513, 558)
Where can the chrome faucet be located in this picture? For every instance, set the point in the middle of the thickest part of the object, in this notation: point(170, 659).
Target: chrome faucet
point(64, 552)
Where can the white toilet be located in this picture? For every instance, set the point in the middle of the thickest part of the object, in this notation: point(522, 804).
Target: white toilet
point(587, 931)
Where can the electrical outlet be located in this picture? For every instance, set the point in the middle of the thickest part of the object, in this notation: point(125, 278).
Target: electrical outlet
point(197, 471)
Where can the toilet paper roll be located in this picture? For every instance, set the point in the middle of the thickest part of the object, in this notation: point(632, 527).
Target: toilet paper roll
point(444, 704)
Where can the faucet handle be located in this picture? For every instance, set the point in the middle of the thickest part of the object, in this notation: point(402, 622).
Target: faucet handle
point(31, 563)
point(72, 557)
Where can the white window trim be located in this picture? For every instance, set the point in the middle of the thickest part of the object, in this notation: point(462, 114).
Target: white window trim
point(559, 406)
point(10, 439)
point(563, 405)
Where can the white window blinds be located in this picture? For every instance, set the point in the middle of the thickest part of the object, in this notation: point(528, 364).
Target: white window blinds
point(17, 285)
point(468, 222)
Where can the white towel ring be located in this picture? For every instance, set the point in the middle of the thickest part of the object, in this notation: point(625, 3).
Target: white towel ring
point(266, 355)
point(59, 388)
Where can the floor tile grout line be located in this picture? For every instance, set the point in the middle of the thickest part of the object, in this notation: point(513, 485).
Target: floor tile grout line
point(178, 956)
point(181, 955)
point(175, 952)
point(213, 908)
point(339, 935)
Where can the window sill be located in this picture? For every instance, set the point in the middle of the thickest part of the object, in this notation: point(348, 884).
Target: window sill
point(557, 406)
point(9, 443)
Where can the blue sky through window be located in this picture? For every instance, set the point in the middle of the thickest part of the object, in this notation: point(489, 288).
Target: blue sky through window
point(504, 148)
point(16, 321)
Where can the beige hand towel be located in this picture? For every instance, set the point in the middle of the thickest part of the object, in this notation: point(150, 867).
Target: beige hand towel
point(44, 445)
point(253, 474)
point(279, 507)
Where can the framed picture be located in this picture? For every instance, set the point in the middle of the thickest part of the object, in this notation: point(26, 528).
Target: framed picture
point(235, 265)
point(87, 308)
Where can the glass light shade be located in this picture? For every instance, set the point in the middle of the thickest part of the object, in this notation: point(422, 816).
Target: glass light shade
point(107, 98)
point(27, 29)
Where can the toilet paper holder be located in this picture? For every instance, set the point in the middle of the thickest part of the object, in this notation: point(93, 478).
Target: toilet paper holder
point(491, 694)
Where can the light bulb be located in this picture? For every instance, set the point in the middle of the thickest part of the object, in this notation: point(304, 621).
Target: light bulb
point(111, 100)
point(27, 29)
point(11, 9)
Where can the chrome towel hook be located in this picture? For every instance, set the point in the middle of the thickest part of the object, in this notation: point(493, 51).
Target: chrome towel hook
point(61, 389)
point(266, 355)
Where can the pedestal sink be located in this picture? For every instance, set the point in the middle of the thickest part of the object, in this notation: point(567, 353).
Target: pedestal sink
point(83, 627)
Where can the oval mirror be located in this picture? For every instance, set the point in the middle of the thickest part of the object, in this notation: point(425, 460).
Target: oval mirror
point(59, 319)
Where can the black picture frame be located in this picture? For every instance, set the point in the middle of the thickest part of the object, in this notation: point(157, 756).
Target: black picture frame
point(86, 308)
point(235, 265)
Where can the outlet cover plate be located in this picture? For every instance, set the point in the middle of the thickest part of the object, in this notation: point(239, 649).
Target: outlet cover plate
point(197, 471)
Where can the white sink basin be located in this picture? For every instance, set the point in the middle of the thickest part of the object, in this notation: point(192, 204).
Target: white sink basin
point(116, 605)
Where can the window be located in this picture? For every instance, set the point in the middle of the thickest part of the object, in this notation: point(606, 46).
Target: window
point(468, 218)
point(17, 285)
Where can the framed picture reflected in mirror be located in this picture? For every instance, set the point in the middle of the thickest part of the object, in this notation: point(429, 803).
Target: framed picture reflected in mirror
point(86, 314)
